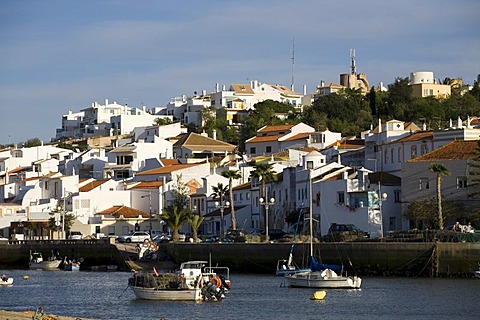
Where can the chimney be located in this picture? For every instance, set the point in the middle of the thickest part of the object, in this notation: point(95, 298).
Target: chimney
point(204, 92)
point(214, 134)
point(379, 125)
point(106, 102)
point(304, 89)
point(217, 87)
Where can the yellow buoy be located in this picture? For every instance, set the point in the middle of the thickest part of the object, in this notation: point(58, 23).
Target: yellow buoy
point(318, 295)
point(25, 277)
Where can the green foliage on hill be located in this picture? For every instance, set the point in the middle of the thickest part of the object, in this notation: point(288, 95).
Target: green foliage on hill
point(349, 112)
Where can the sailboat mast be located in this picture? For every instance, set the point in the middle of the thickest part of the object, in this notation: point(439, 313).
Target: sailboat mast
point(311, 211)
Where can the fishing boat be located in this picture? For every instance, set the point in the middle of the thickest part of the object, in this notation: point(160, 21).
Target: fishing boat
point(321, 275)
point(194, 281)
point(71, 265)
point(5, 280)
point(37, 262)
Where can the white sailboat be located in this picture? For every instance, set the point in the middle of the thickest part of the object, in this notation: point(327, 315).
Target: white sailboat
point(319, 275)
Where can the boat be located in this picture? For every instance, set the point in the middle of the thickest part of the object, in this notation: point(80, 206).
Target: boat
point(194, 281)
point(5, 280)
point(477, 272)
point(321, 275)
point(286, 267)
point(71, 265)
point(37, 262)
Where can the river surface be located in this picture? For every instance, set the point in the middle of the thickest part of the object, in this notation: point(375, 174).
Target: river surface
point(104, 295)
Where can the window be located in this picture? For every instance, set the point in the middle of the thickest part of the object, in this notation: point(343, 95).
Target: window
point(241, 196)
point(423, 149)
point(413, 152)
point(253, 150)
point(397, 195)
point(424, 184)
point(268, 149)
point(391, 154)
point(461, 182)
point(399, 154)
point(341, 197)
point(309, 164)
point(391, 224)
point(385, 160)
point(235, 197)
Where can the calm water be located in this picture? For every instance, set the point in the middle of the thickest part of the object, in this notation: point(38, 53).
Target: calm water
point(102, 295)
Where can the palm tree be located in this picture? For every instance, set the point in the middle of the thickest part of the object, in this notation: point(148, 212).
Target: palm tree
point(264, 172)
point(231, 175)
point(175, 217)
point(440, 170)
point(195, 221)
point(220, 192)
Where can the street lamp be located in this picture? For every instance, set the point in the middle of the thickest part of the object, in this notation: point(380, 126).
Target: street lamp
point(380, 199)
point(266, 204)
point(149, 195)
point(222, 207)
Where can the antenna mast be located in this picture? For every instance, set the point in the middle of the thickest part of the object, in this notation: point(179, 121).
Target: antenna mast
point(293, 65)
point(352, 57)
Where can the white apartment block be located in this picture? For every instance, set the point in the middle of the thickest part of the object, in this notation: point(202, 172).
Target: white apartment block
point(109, 119)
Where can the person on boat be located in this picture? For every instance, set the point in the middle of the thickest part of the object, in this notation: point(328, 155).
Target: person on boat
point(457, 227)
point(4, 277)
point(469, 228)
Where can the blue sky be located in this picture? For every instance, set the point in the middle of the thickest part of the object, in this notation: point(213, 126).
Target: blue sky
point(61, 55)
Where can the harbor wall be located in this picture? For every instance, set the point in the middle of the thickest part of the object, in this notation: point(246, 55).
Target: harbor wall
point(364, 258)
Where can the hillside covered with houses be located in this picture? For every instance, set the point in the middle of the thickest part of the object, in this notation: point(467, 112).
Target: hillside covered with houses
point(113, 169)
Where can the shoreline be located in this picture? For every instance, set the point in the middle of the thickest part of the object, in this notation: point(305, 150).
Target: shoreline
point(24, 315)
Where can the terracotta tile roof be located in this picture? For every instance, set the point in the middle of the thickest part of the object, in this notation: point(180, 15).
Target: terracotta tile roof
point(91, 185)
point(416, 136)
point(19, 169)
point(167, 169)
point(455, 150)
point(300, 136)
point(148, 185)
point(197, 142)
point(265, 138)
point(169, 162)
point(126, 212)
point(283, 127)
point(332, 85)
point(285, 90)
point(30, 179)
point(242, 89)
point(124, 149)
point(348, 144)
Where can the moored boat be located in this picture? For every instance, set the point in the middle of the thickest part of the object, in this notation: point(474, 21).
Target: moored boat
point(193, 282)
point(5, 280)
point(71, 265)
point(37, 262)
point(321, 275)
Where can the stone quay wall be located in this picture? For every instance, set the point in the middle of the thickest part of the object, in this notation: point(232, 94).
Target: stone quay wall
point(365, 258)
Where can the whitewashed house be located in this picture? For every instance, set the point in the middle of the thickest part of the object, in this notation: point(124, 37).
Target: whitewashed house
point(273, 139)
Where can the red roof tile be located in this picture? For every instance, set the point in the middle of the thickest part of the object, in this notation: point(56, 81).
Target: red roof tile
point(124, 211)
point(91, 185)
point(456, 150)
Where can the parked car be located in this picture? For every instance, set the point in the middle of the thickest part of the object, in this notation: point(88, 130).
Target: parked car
point(137, 236)
point(346, 232)
point(75, 235)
